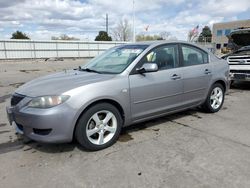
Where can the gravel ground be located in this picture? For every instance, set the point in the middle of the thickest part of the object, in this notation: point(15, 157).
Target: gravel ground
point(188, 149)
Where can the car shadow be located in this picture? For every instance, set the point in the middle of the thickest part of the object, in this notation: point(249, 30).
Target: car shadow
point(240, 85)
point(164, 119)
point(125, 135)
point(32, 146)
point(53, 148)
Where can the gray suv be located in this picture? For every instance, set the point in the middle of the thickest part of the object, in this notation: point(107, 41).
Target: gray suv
point(125, 85)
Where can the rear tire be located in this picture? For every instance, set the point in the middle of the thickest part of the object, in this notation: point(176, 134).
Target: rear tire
point(99, 127)
point(215, 98)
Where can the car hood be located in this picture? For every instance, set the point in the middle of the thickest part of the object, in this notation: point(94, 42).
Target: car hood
point(240, 37)
point(58, 83)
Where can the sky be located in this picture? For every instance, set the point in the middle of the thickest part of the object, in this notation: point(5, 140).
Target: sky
point(42, 19)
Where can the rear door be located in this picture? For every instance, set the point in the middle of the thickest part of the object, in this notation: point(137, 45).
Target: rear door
point(157, 92)
point(197, 73)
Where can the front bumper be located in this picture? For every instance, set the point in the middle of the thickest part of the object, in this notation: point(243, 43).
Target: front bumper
point(240, 72)
point(52, 125)
point(239, 76)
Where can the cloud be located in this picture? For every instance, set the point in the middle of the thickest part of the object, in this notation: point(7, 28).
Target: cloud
point(225, 7)
point(4, 3)
point(42, 19)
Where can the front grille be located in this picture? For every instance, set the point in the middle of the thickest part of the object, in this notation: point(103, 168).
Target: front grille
point(16, 98)
point(240, 71)
point(239, 59)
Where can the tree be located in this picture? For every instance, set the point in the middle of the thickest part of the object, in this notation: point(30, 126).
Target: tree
point(19, 35)
point(143, 37)
point(63, 37)
point(162, 36)
point(103, 36)
point(192, 36)
point(123, 31)
point(165, 35)
point(205, 35)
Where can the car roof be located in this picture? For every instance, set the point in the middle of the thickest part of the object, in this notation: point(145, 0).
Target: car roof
point(159, 42)
point(154, 42)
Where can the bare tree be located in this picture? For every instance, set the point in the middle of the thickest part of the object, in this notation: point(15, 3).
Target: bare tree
point(64, 37)
point(192, 36)
point(122, 31)
point(142, 37)
point(165, 35)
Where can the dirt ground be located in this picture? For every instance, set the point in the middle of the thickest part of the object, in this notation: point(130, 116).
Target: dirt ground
point(188, 149)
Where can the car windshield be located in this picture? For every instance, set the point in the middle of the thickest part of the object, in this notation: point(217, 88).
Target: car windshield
point(115, 60)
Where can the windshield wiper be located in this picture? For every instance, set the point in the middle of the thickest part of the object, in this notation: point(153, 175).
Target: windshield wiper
point(88, 70)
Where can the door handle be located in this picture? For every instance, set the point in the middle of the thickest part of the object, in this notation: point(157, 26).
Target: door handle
point(207, 71)
point(175, 77)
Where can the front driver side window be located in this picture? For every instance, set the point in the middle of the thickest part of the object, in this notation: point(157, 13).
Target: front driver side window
point(164, 56)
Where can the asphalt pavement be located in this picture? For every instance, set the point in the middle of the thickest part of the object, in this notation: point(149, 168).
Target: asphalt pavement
point(188, 149)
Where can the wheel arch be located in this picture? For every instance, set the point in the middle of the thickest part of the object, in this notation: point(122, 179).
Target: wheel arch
point(222, 82)
point(110, 101)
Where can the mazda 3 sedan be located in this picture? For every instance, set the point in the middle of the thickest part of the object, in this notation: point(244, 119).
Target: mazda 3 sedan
point(125, 85)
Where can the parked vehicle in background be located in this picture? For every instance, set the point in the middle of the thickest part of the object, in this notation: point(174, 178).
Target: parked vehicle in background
point(239, 59)
point(125, 85)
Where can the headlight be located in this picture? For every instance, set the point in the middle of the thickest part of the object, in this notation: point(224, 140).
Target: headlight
point(47, 101)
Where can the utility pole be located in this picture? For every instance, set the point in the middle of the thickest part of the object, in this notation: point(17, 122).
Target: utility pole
point(107, 23)
point(133, 20)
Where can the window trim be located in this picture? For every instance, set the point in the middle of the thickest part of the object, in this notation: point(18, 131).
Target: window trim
point(194, 47)
point(139, 64)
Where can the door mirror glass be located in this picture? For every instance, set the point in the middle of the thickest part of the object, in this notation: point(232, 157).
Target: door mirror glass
point(148, 67)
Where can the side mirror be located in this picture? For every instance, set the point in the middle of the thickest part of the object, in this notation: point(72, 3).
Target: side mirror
point(148, 67)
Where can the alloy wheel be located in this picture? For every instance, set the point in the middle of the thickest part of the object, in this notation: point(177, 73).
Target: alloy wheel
point(101, 127)
point(216, 98)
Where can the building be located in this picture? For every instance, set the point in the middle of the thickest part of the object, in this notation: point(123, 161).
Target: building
point(221, 30)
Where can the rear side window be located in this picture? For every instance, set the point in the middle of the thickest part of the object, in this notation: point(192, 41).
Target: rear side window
point(193, 56)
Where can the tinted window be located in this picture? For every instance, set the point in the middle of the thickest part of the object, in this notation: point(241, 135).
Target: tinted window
point(218, 46)
point(193, 56)
point(219, 33)
point(227, 31)
point(166, 57)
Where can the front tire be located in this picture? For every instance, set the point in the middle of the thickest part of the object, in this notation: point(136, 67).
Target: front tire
point(99, 127)
point(215, 98)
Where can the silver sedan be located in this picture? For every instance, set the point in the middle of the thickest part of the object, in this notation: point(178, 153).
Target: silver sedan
point(124, 85)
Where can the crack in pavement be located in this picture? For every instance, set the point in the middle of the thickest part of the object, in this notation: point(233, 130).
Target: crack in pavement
point(4, 97)
point(211, 134)
point(11, 146)
point(2, 132)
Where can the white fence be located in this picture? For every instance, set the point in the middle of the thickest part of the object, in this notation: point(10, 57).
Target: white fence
point(20, 49)
point(17, 49)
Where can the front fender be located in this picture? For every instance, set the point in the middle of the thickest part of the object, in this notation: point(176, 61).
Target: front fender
point(116, 90)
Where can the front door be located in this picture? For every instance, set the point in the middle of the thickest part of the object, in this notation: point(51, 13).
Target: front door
point(156, 92)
